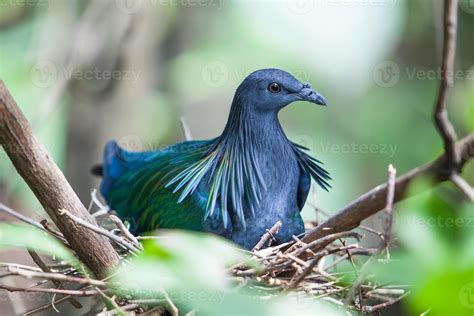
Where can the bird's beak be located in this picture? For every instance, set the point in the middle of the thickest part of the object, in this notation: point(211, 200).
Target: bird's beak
point(310, 95)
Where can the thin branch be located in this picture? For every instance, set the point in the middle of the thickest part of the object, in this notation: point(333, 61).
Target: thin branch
point(46, 306)
point(186, 129)
point(366, 205)
point(463, 186)
point(118, 222)
point(37, 259)
point(45, 290)
point(272, 231)
point(300, 277)
point(322, 242)
point(55, 276)
point(100, 231)
point(21, 217)
point(444, 126)
point(392, 174)
point(112, 301)
point(372, 309)
point(171, 306)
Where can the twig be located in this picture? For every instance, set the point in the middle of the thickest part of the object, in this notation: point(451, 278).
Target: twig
point(118, 222)
point(373, 231)
point(444, 126)
point(20, 266)
point(56, 276)
point(21, 217)
point(356, 285)
point(172, 308)
point(46, 290)
point(322, 242)
point(46, 306)
point(112, 301)
point(372, 309)
point(100, 231)
point(186, 129)
point(103, 208)
point(272, 231)
point(392, 174)
point(442, 122)
point(50, 229)
point(37, 259)
point(463, 186)
point(295, 281)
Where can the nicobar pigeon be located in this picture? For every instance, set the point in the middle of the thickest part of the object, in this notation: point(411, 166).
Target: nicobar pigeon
point(237, 185)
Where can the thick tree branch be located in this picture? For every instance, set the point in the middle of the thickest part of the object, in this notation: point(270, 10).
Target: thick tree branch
point(48, 183)
point(373, 201)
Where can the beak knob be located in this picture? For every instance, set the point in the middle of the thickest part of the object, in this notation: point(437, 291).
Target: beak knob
point(310, 95)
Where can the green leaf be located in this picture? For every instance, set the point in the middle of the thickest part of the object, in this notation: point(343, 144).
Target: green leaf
point(28, 237)
point(181, 260)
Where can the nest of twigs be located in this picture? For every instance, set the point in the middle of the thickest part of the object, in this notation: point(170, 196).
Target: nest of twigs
point(309, 269)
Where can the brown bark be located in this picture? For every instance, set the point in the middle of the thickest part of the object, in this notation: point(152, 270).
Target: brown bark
point(49, 185)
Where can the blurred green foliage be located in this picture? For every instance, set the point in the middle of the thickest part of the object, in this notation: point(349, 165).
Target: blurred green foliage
point(192, 269)
point(23, 236)
point(436, 238)
point(189, 61)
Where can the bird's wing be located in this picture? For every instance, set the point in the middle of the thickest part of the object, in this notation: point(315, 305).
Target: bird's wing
point(309, 166)
point(303, 188)
point(135, 185)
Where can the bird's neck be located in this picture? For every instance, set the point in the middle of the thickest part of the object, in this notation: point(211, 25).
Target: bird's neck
point(249, 128)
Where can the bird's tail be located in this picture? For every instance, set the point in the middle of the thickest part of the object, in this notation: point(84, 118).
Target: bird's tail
point(114, 164)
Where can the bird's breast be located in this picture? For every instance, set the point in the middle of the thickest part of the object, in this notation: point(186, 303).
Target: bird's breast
point(280, 172)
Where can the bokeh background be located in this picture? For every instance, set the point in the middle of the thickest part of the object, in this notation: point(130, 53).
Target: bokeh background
point(85, 72)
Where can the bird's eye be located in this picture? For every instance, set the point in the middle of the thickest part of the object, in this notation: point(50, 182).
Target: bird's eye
point(274, 87)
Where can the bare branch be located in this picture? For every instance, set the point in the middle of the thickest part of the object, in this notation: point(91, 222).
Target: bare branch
point(373, 201)
point(37, 259)
point(272, 231)
point(463, 186)
point(186, 129)
point(392, 174)
point(21, 217)
point(99, 230)
point(43, 290)
point(118, 222)
point(55, 276)
point(444, 126)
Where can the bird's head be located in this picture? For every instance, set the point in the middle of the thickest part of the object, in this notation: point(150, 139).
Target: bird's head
point(269, 90)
